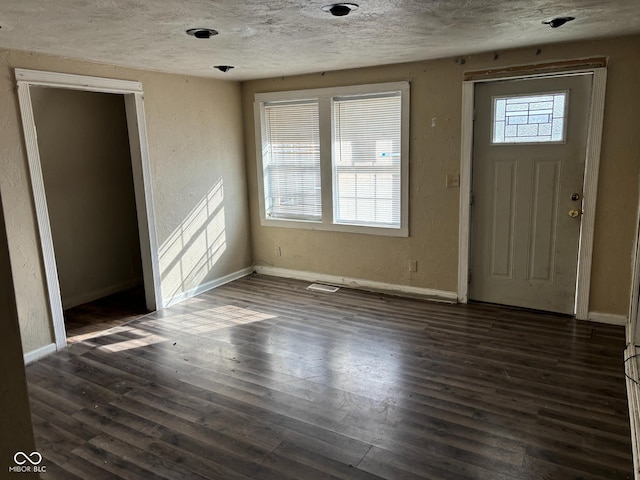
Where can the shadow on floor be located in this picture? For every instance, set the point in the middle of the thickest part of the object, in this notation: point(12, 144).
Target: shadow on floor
point(87, 320)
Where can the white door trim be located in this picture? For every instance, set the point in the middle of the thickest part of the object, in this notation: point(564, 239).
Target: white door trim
point(632, 330)
point(133, 96)
point(592, 166)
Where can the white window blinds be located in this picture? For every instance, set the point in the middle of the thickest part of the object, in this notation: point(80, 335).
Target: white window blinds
point(335, 158)
point(367, 160)
point(291, 161)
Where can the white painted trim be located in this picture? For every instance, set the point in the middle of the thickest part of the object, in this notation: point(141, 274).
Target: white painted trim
point(134, 106)
point(592, 164)
point(608, 318)
point(361, 284)
point(38, 353)
point(77, 82)
point(590, 192)
point(464, 228)
point(312, 93)
point(42, 215)
point(633, 399)
point(86, 297)
point(634, 301)
point(205, 287)
point(141, 178)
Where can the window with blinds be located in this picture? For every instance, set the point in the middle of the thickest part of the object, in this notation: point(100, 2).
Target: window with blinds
point(366, 160)
point(291, 161)
point(335, 158)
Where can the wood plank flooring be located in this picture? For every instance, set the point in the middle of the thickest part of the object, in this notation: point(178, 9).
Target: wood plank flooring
point(263, 379)
point(87, 320)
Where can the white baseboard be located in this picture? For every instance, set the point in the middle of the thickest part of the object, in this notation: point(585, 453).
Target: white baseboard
point(87, 297)
point(208, 286)
point(38, 353)
point(609, 318)
point(360, 284)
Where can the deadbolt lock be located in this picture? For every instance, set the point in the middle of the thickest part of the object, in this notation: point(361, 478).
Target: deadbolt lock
point(575, 197)
point(574, 213)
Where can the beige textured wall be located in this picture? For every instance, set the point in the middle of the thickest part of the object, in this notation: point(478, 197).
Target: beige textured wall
point(194, 129)
point(86, 166)
point(435, 151)
point(15, 416)
point(199, 175)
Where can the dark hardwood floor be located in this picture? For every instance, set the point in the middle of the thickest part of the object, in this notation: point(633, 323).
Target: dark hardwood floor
point(93, 318)
point(262, 379)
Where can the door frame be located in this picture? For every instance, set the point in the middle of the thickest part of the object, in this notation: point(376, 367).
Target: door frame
point(592, 167)
point(134, 107)
point(633, 330)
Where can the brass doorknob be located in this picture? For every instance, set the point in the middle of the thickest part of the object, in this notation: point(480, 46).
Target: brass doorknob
point(574, 213)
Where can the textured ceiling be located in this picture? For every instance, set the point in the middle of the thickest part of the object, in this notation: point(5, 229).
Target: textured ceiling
point(284, 37)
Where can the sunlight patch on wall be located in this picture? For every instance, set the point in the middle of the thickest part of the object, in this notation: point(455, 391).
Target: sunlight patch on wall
point(193, 249)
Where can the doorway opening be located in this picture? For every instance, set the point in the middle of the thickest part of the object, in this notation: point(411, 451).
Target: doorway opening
point(92, 192)
point(86, 168)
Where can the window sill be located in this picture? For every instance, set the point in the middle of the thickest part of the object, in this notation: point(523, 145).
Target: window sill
point(334, 227)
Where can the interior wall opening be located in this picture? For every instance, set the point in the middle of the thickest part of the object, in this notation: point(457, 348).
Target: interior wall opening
point(86, 165)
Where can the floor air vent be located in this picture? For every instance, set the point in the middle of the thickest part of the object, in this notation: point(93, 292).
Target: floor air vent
point(319, 287)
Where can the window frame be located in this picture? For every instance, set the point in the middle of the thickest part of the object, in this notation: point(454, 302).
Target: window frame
point(324, 97)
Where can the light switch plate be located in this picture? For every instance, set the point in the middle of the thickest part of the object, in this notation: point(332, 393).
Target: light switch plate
point(453, 181)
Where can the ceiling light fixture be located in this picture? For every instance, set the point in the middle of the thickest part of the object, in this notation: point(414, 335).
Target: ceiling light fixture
point(558, 21)
point(202, 32)
point(224, 68)
point(340, 9)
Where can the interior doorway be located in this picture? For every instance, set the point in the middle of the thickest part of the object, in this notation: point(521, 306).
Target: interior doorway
point(30, 84)
point(86, 168)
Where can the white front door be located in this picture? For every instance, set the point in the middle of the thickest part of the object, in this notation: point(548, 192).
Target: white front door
point(528, 167)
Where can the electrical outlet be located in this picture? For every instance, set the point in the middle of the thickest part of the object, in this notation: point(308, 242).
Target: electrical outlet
point(278, 252)
point(413, 266)
point(453, 181)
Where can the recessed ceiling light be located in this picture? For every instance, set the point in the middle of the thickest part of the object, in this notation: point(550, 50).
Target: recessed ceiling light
point(340, 9)
point(558, 21)
point(224, 68)
point(202, 32)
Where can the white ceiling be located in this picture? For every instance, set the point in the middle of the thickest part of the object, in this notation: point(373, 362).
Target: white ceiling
point(284, 37)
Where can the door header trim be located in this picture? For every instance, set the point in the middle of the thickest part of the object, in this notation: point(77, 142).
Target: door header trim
point(537, 69)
